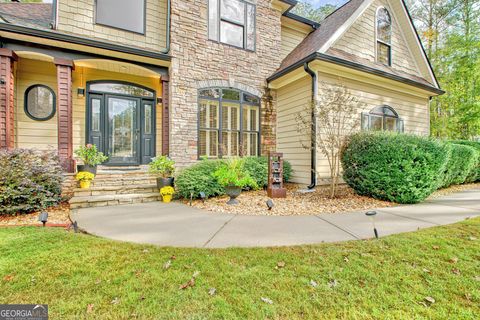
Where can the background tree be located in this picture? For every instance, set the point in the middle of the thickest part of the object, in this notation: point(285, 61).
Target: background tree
point(333, 111)
point(307, 10)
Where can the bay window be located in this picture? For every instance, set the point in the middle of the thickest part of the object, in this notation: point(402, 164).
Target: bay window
point(228, 123)
point(232, 22)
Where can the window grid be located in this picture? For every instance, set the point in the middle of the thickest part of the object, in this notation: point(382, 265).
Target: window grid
point(382, 44)
point(380, 119)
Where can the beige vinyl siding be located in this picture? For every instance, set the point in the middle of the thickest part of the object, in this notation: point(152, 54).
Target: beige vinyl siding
point(292, 99)
point(412, 109)
point(31, 133)
point(291, 38)
point(78, 17)
point(82, 75)
point(360, 40)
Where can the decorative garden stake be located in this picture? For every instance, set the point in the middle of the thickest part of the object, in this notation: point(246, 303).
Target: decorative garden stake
point(275, 187)
point(371, 215)
point(270, 204)
point(43, 217)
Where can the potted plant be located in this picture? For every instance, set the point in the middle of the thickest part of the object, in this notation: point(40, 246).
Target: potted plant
point(163, 167)
point(167, 193)
point(234, 178)
point(85, 178)
point(91, 157)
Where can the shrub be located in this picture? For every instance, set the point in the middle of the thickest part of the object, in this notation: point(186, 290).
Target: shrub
point(90, 155)
point(162, 166)
point(257, 167)
point(198, 178)
point(29, 180)
point(394, 167)
point(460, 165)
point(475, 174)
point(232, 173)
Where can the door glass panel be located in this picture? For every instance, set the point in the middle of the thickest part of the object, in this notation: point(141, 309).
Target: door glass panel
point(95, 114)
point(148, 119)
point(120, 88)
point(122, 115)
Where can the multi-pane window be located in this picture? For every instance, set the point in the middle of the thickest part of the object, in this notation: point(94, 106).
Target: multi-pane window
point(384, 37)
point(229, 123)
point(232, 22)
point(382, 118)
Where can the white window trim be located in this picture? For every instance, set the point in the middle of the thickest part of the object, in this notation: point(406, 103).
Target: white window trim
point(390, 58)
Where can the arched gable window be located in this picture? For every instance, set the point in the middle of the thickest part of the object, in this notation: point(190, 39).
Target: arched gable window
point(382, 118)
point(228, 123)
point(384, 36)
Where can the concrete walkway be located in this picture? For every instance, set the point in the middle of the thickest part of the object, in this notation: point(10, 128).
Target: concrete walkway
point(178, 225)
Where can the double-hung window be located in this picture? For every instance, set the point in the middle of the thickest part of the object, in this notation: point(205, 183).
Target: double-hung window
point(229, 123)
point(384, 36)
point(232, 22)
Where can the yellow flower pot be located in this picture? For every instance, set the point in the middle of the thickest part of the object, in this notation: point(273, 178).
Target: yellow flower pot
point(167, 198)
point(85, 184)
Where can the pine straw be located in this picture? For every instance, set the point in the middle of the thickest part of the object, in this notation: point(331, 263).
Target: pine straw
point(56, 215)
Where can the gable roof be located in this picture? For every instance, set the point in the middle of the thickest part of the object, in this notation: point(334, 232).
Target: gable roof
point(27, 14)
point(318, 44)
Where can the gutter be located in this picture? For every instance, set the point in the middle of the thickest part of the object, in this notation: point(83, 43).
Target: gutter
point(356, 66)
point(313, 147)
point(315, 25)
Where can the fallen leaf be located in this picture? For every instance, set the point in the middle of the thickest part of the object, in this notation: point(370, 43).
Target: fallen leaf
point(435, 247)
point(8, 277)
point(426, 271)
point(430, 300)
point(280, 265)
point(188, 284)
point(167, 264)
point(472, 238)
point(115, 300)
point(456, 271)
point(468, 296)
point(142, 298)
point(98, 281)
point(145, 251)
point(453, 260)
point(138, 273)
point(267, 300)
point(345, 259)
point(476, 278)
point(332, 283)
point(313, 283)
point(212, 291)
point(90, 307)
point(32, 279)
point(173, 257)
point(196, 274)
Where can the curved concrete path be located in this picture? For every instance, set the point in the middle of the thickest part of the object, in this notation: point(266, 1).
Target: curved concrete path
point(178, 225)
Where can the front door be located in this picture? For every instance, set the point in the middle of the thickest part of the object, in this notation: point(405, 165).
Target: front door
point(122, 127)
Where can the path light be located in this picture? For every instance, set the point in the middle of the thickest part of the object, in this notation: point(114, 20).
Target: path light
point(75, 226)
point(191, 198)
point(371, 215)
point(270, 204)
point(43, 217)
point(203, 196)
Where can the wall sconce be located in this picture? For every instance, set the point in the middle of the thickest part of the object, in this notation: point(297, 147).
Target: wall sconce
point(159, 100)
point(81, 92)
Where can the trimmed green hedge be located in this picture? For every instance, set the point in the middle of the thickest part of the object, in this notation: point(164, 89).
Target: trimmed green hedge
point(475, 174)
point(395, 167)
point(460, 165)
point(198, 177)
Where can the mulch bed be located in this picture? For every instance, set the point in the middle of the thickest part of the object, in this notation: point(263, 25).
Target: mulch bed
point(296, 202)
point(57, 217)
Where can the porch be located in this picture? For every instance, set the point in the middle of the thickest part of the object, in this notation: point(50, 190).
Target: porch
point(50, 102)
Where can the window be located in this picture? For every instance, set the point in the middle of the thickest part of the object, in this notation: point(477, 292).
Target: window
point(122, 14)
point(40, 102)
point(382, 118)
point(232, 22)
point(229, 123)
point(384, 37)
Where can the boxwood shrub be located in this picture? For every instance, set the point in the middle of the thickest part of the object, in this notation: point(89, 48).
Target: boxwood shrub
point(395, 167)
point(29, 180)
point(461, 164)
point(198, 177)
point(474, 176)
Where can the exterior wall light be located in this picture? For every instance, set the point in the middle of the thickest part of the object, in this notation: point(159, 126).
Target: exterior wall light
point(81, 92)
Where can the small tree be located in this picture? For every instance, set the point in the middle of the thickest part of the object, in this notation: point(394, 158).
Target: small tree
point(336, 114)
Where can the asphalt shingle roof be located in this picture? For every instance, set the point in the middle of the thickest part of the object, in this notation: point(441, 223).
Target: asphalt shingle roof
point(36, 15)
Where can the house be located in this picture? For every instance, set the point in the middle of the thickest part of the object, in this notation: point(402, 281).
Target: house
point(201, 78)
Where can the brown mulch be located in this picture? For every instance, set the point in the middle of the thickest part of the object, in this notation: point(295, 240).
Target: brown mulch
point(296, 203)
point(453, 189)
point(57, 216)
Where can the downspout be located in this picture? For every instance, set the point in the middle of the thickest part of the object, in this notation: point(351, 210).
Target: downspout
point(313, 160)
point(167, 49)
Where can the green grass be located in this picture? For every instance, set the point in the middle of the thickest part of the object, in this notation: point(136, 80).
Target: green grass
point(387, 278)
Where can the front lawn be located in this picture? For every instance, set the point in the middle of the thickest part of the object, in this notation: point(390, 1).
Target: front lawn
point(431, 274)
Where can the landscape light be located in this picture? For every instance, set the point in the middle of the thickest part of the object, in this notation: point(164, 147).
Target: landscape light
point(43, 217)
point(203, 196)
point(371, 215)
point(270, 204)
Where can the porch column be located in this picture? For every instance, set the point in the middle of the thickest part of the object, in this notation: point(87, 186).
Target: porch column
point(165, 116)
point(7, 133)
point(64, 112)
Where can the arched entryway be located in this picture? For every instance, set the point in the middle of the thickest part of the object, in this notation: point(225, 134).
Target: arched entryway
point(121, 121)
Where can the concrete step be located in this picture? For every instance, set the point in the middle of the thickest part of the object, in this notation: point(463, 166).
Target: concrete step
point(112, 200)
point(115, 189)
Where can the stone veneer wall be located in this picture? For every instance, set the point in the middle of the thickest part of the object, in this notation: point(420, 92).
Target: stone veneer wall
point(197, 61)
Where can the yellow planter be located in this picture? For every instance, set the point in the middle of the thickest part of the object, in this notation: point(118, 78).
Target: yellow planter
point(167, 198)
point(85, 184)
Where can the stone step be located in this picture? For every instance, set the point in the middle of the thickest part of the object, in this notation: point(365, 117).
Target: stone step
point(122, 181)
point(115, 189)
point(112, 200)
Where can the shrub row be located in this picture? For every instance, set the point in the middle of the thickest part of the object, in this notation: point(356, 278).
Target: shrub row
point(198, 178)
point(406, 168)
point(29, 180)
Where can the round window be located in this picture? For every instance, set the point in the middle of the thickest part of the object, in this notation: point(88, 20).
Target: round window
point(40, 102)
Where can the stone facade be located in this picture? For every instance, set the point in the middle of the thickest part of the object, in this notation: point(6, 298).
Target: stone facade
point(198, 61)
